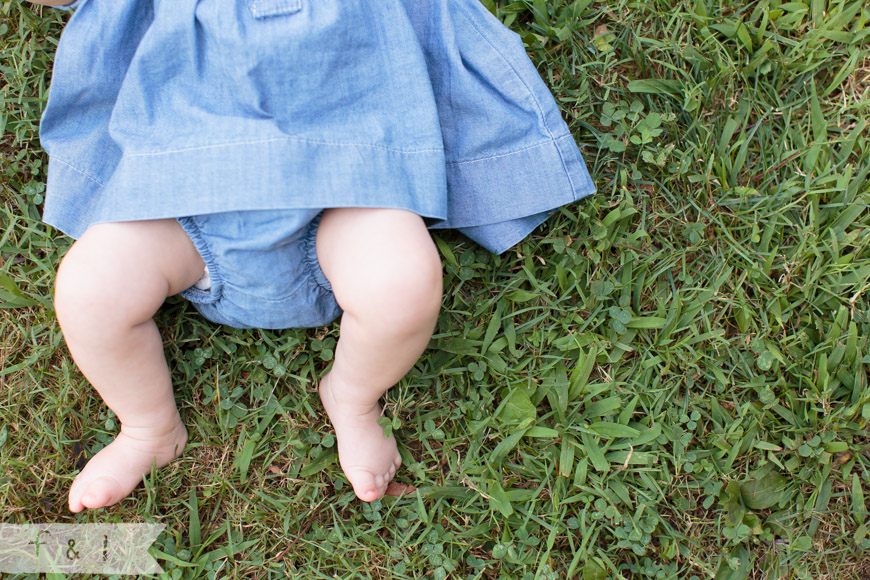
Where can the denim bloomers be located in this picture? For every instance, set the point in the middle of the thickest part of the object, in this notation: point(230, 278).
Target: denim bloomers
point(262, 269)
point(244, 119)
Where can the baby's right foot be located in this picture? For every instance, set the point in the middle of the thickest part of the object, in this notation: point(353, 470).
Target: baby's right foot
point(118, 468)
point(367, 457)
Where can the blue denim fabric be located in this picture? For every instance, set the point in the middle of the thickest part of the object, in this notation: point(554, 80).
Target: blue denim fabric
point(263, 268)
point(168, 108)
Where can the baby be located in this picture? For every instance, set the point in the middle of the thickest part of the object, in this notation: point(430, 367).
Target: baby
point(204, 159)
point(386, 276)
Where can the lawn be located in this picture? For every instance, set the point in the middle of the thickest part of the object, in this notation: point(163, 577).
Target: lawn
point(667, 380)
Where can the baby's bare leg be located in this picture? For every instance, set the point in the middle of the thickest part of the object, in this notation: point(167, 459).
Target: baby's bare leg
point(386, 275)
point(109, 285)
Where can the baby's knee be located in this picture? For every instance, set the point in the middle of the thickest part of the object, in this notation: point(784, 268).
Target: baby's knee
point(81, 294)
point(406, 288)
point(98, 288)
point(417, 277)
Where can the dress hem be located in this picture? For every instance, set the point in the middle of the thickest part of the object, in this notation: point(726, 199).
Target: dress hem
point(282, 175)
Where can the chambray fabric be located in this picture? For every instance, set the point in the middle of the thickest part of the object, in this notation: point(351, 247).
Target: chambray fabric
point(169, 108)
point(243, 119)
point(263, 269)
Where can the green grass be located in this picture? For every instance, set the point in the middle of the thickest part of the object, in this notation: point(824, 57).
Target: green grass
point(668, 380)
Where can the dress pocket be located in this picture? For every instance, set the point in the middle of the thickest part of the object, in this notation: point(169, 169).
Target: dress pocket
point(269, 8)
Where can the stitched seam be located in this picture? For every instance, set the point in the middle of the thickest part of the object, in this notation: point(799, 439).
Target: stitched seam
point(276, 140)
point(238, 290)
point(261, 9)
point(530, 147)
point(565, 167)
point(77, 170)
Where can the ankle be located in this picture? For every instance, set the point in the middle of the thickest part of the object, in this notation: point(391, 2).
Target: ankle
point(335, 391)
point(160, 426)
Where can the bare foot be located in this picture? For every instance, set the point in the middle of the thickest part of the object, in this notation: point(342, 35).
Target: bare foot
point(367, 457)
point(118, 468)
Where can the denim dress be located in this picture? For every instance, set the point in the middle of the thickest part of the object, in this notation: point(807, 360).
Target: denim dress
point(170, 108)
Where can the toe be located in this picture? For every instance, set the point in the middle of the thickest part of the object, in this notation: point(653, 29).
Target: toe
point(100, 493)
point(74, 499)
point(365, 486)
point(75, 504)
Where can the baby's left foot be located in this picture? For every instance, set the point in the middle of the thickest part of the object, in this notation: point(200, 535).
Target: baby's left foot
point(367, 457)
point(118, 468)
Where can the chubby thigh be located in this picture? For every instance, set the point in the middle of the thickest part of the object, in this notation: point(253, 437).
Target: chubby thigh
point(126, 270)
point(380, 260)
